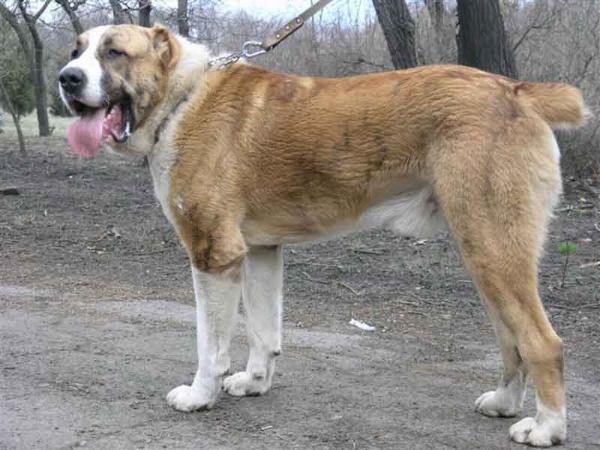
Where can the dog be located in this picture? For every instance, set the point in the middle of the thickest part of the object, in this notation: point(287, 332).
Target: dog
point(245, 160)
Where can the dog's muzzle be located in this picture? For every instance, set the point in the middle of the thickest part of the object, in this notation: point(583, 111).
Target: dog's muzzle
point(72, 80)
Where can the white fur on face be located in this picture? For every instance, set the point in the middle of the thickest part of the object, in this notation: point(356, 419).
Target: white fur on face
point(88, 62)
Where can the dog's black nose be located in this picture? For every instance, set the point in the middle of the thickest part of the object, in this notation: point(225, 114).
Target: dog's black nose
point(72, 80)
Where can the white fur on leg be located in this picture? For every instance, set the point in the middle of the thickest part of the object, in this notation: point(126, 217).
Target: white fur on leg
point(262, 294)
point(506, 400)
point(548, 428)
point(217, 298)
point(198, 397)
point(244, 384)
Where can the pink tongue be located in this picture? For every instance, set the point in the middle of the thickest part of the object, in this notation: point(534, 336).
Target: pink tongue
point(85, 135)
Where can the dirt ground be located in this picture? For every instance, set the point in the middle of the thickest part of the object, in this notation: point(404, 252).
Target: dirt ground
point(97, 325)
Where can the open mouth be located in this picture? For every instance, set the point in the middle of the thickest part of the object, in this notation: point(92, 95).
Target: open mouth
point(95, 126)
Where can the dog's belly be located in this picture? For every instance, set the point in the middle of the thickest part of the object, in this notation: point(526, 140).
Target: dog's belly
point(414, 214)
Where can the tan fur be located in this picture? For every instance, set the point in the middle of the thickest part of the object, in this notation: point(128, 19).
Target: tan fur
point(275, 152)
point(269, 158)
point(313, 153)
point(288, 156)
point(558, 104)
point(150, 55)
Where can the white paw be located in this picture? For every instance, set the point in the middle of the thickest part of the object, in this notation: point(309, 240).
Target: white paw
point(497, 404)
point(184, 398)
point(530, 431)
point(245, 383)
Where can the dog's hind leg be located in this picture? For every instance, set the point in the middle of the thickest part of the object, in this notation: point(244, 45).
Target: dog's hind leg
point(262, 297)
point(217, 299)
point(497, 200)
point(507, 400)
point(509, 286)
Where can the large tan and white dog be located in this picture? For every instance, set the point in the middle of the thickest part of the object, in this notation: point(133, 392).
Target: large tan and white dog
point(245, 160)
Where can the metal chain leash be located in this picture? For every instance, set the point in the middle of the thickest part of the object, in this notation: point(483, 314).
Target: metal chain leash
point(248, 52)
point(252, 49)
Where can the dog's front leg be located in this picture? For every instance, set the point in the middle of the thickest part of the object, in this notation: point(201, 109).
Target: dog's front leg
point(262, 295)
point(217, 299)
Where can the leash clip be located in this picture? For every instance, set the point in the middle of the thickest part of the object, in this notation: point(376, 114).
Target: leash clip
point(247, 49)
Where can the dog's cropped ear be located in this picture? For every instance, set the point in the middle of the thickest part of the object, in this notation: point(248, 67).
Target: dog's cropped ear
point(166, 45)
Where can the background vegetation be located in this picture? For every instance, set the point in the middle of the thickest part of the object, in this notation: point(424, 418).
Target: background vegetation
point(544, 40)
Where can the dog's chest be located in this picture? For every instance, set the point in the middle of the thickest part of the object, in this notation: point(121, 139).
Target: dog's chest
point(161, 163)
point(163, 157)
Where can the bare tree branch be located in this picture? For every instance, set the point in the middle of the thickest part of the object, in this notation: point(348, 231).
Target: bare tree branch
point(15, 117)
point(38, 68)
point(73, 17)
point(436, 12)
point(145, 8)
point(13, 20)
point(37, 15)
point(119, 14)
point(183, 25)
point(535, 26)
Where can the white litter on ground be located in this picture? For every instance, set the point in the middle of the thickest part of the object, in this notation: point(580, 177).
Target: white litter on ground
point(363, 326)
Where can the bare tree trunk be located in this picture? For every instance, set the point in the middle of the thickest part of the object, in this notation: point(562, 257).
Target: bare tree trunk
point(119, 14)
point(35, 58)
point(482, 41)
point(183, 25)
point(13, 21)
point(436, 12)
point(73, 17)
point(399, 30)
point(16, 120)
point(39, 71)
point(145, 7)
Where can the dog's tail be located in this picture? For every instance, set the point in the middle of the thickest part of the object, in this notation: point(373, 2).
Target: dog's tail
point(560, 105)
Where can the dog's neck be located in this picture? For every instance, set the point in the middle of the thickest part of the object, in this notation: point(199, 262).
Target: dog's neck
point(191, 68)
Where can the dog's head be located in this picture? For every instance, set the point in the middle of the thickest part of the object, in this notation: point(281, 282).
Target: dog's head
point(116, 76)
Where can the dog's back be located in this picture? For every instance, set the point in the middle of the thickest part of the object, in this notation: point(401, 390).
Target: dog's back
point(311, 157)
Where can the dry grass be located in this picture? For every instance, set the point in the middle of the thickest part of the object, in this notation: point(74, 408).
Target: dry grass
point(30, 127)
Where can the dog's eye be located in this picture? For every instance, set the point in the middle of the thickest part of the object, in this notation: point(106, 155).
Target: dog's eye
point(114, 53)
point(75, 54)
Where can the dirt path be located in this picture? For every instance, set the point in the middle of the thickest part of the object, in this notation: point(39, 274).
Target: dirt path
point(96, 325)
